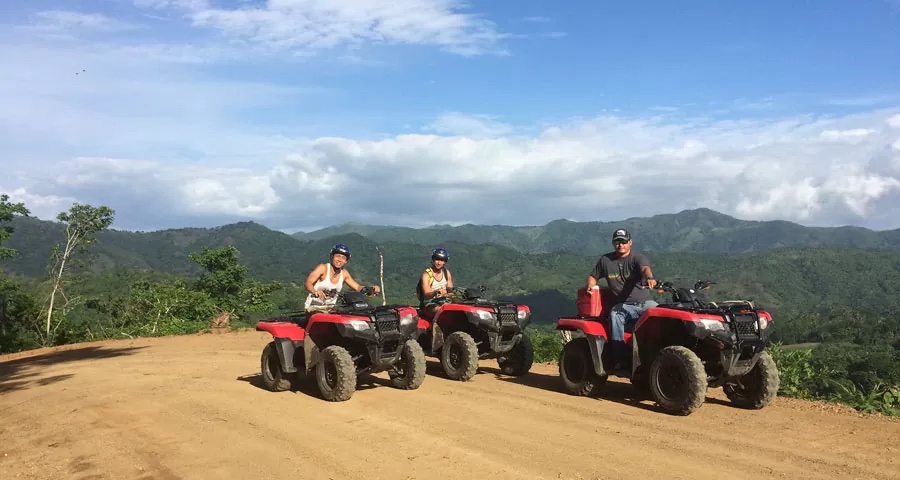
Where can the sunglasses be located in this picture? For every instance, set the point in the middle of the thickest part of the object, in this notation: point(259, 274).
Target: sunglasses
point(620, 242)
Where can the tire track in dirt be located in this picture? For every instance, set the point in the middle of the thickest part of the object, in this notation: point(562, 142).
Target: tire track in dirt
point(191, 407)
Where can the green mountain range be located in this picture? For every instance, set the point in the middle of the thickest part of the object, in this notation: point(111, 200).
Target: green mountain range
point(700, 230)
point(785, 266)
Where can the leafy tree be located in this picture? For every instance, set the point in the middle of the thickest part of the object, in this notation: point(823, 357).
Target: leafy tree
point(83, 222)
point(7, 212)
point(229, 285)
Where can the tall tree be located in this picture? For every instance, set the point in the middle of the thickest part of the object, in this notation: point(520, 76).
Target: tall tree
point(228, 283)
point(9, 210)
point(82, 223)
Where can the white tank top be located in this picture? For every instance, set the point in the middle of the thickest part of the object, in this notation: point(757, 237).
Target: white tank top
point(437, 284)
point(325, 284)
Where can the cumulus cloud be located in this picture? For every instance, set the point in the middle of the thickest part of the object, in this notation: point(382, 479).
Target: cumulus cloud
point(304, 26)
point(607, 167)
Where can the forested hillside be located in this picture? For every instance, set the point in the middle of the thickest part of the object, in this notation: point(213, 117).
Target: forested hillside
point(699, 230)
point(119, 284)
point(789, 280)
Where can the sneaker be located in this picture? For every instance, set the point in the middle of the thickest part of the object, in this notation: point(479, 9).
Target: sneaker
point(620, 369)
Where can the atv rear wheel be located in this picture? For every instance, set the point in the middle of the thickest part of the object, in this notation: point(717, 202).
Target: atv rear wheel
point(576, 368)
point(273, 375)
point(519, 359)
point(410, 369)
point(678, 380)
point(459, 356)
point(756, 388)
point(336, 374)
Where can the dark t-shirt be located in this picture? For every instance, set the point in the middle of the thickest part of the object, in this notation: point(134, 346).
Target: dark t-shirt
point(622, 275)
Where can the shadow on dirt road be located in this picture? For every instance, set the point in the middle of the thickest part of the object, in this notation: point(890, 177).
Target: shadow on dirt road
point(26, 372)
point(613, 391)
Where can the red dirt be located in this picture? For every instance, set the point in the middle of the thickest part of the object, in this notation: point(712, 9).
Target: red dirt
point(190, 407)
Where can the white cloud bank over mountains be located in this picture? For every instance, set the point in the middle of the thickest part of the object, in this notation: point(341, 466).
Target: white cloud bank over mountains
point(813, 171)
point(146, 132)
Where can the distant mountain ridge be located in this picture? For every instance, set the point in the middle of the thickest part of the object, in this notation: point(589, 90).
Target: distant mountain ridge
point(796, 278)
point(697, 230)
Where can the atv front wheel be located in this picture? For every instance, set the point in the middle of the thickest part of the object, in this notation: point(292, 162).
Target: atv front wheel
point(273, 375)
point(459, 356)
point(336, 374)
point(678, 380)
point(756, 388)
point(519, 359)
point(409, 372)
point(576, 368)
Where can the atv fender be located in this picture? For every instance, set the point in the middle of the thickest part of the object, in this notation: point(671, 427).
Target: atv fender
point(596, 344)
point(595, 334)
point(285, 347)
point(437, 337)
point(310, 353)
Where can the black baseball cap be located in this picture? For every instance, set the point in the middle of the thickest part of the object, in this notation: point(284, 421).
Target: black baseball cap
point(621, 234)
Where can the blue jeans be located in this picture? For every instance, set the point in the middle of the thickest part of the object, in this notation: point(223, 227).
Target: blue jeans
point(622, 315)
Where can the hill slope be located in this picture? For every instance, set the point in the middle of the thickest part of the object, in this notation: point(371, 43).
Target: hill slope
point(787, 279)
point(700, 230)
point(191, 407)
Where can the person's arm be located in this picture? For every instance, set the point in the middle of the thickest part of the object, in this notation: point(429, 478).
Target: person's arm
point(427, 292)
point(596, 274)
point(449, 279)
point(348, 279)
point(644, 264)
point(314, 277)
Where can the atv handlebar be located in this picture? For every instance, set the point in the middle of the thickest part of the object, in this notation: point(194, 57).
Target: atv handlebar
point(665, 286)
point(332, 292)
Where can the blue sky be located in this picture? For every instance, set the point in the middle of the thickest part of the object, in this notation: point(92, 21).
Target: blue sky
point(303, 113)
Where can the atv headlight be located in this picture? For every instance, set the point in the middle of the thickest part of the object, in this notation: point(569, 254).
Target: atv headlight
point(712, 325)
point(407, 319)
point(484, 315)
point(522, 314)
point(763, 322)
point(359, 325)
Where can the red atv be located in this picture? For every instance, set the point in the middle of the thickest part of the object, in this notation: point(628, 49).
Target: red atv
point(466, 327)
point(348, 340)
point(677, 349)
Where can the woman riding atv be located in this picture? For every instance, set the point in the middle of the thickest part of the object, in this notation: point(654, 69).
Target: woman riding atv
point(435, 282)
point(328, 276)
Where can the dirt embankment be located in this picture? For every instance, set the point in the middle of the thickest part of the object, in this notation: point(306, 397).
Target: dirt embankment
point(191, 407)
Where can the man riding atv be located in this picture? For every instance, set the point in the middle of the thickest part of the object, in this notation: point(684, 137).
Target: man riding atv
point(330, 276)
point(623, 270)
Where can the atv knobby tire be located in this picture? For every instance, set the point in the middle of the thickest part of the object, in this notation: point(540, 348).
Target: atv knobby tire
point(273, 375)
point(678, 380)
point(756, 388)
point(459, 356)
point(411, 367)
point(519, 359)
point(576, 369)
point(336, 374)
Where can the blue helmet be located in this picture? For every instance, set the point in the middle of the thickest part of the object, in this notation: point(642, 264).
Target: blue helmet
point(440, 254)
point(342, 249)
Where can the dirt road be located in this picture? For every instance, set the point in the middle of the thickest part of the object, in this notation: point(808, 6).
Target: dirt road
point(191, 407)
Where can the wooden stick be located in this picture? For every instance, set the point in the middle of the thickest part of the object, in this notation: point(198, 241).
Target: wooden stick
point(381, 274)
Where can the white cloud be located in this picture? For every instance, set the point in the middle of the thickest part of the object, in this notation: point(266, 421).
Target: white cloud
point(456, 123)
point(304, 26)
point(894, 121)
point(69, 21)
point(854, 135)
point(607, 167)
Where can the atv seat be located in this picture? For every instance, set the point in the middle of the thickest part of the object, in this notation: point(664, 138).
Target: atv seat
point(298, 318)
